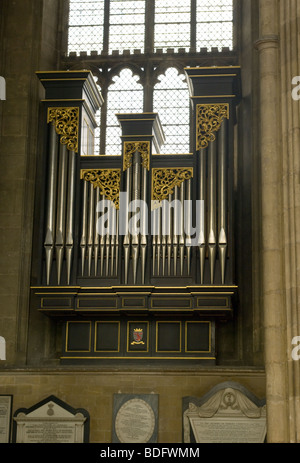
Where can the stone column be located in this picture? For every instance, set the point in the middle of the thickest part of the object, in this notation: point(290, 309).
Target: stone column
point(272, 224)
point(289, 16)
point(28, 44)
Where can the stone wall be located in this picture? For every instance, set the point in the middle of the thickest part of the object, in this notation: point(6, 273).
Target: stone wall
point(28, 43)
point(93, 391)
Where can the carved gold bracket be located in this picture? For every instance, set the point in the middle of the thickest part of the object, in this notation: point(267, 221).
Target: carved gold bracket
point(209, 118)
point(108, 181)
point(143, 147)
point(165, 180)
point(66, 121)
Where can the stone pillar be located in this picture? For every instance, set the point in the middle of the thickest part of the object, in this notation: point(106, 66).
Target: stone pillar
point(289, 17)
point(28, 43)
point(271, 223)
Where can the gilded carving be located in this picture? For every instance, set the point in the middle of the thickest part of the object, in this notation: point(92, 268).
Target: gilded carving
point(143, 147)
point(209, 118)
point(66, 121)
point(107, 180)
point(165, 180)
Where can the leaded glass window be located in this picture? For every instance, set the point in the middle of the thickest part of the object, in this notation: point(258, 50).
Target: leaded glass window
point(214, 24)
point(172, 24)
point(86, 22)
point(157, 39)
point(172, 104)
point(125, 95)
point(127, 25)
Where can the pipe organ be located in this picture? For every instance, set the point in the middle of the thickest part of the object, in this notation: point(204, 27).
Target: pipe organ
point(136, 252)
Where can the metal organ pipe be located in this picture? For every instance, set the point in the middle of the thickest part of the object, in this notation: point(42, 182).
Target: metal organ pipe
point(61, 208)
point(51, 201)
point(96, 234)
point(126, 242)
point(83, 241)
point(181, 236)
point(143, 223)
point(212, 216)
point(222, 209)
point(91, 215)
point(102, 243)
point(70, 213)
point(202, 197)
point(175, 231)
point(136, 196)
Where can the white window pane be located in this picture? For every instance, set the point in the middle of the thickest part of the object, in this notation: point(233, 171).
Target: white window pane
point(214, 24)
point(125, 95)
point(127, 25)
point(171, 101)
point(172, 24)
point(86, 20)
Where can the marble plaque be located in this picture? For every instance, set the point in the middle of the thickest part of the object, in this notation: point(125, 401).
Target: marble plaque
point(135, 418)
point(51, 421)
point(5, 418)
point(229, 413)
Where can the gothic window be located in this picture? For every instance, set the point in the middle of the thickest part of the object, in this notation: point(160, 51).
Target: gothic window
point(125, 95)
point(172, 24)
point(172, 104)
point(158, 39)
point(86, 21)
point(127, 25)
point(214, 24)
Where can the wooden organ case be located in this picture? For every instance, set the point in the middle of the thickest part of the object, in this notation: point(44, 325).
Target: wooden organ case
point(136, 252)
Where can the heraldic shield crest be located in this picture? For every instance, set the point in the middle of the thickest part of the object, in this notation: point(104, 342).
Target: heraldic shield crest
point(138, 335)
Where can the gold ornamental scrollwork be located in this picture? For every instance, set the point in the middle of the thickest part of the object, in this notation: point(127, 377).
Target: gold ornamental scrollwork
point(66, 121)
point(107, 180)
point(165, 180)
point(209, 118)
point(143, 147)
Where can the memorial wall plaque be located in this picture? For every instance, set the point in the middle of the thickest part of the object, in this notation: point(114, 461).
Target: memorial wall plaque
point(5, 418)
point(229, 413)
point(135, 418)
point(51, 421)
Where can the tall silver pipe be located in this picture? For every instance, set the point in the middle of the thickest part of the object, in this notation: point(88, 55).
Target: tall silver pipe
point(181, 236)
point(91, 216)
point(136, 196)
point(96, 234)
point(102, 243)
point(108, 244)
point(126, 241)
point(113, 240)
point(188, 216)
point(212, 221)
point(222, 208)
point(143, 223)
point(61, 210)
point(163, 241)
point(70, 213)
point(169, 236)
point(159, 241)
point(83, 241)
point(51, 201)
point(202, 197)
point(154, 239)
point(175, 231)
point(117, 243)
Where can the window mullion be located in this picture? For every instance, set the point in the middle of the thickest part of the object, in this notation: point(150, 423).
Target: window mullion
point(149, 26)
point(106, 26)
point(193, 25)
